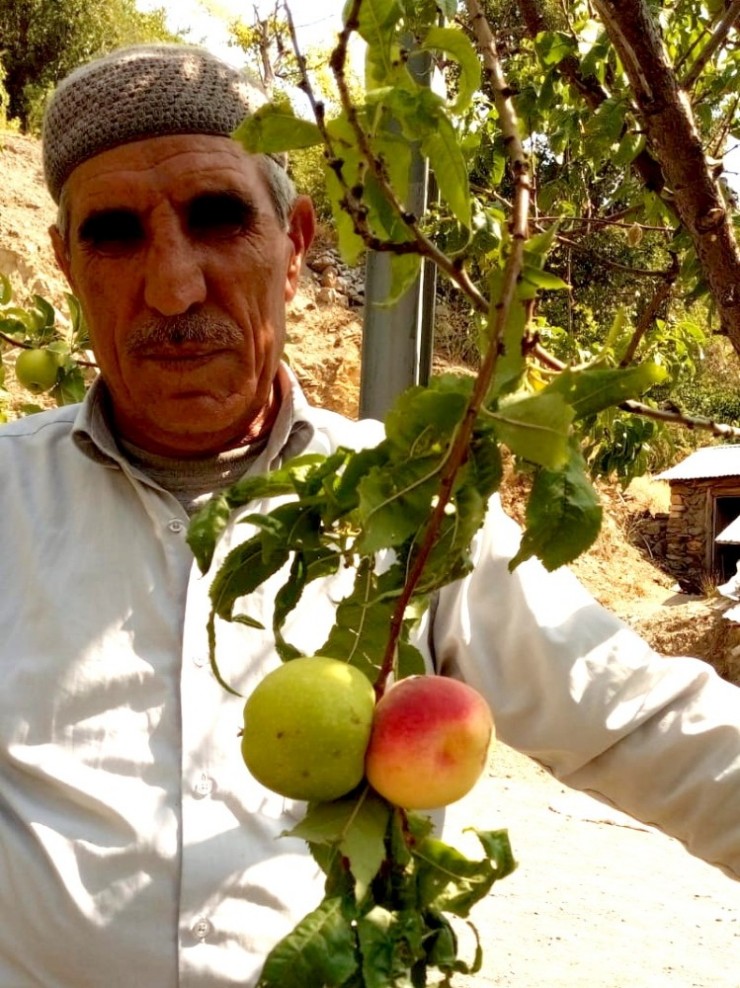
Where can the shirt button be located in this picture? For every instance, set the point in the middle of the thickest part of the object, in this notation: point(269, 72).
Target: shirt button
point(201, 928)
point(203, 787)
point(176, 525)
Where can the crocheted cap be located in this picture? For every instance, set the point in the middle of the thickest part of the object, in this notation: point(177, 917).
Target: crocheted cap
point(139, 92)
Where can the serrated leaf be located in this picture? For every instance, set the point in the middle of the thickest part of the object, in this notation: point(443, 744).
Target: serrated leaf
point(320, 951)
point(243, 570)
point(275, 128)
point(591, 391)
point(357, 826)
point(394, 506)
point(447, 880)
point(536, 428)
point(563, 516)
point(422, 419)
point(497, 846)
point(391, 942)
point(455, 43)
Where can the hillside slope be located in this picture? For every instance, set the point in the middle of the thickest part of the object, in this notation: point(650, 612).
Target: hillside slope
point(324, 338)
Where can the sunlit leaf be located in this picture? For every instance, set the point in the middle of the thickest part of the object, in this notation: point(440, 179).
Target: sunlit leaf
point(536, 427)
point(563, 516)
point(274, 128)
point(453, 42)
point(321, 950)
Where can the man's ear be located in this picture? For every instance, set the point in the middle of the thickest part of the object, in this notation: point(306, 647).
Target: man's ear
point(300, 231)
point(60, 253)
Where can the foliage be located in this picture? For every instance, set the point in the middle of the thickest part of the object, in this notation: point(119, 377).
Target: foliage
point(41, 41)
point(416, 501)
point(37, 326)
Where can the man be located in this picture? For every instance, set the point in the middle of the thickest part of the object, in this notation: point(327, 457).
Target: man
point(135, 849)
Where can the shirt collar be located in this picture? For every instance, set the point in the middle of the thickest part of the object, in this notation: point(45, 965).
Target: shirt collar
point(291, 431)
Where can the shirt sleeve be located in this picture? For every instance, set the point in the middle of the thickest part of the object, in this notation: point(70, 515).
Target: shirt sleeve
point(575, 688)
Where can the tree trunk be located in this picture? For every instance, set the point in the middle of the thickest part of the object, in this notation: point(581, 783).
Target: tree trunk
point(669, 125)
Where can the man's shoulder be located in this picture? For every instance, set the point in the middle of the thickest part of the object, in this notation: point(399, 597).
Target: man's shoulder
point(339, 430)
point(51, 422)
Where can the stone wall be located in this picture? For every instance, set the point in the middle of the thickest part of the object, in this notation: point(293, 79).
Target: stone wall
point(689, 535)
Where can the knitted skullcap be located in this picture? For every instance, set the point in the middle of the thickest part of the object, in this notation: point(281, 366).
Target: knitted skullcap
point(140, 92)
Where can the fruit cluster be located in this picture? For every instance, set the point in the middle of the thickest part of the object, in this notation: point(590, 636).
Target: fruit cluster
point(313, 731)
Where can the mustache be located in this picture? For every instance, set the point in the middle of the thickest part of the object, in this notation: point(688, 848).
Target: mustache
point(188, 327)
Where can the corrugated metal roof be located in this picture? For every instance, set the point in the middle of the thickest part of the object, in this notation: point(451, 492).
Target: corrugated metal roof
point(731, 534)
point(711, 461)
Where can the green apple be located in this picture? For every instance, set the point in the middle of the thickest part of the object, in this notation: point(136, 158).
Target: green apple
point(430, 741)
point(36, 370)
point(306, 728)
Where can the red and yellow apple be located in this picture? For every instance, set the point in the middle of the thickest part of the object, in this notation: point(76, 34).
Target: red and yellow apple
point(429, 742)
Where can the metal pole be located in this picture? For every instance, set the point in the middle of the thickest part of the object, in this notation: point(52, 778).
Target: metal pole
point(397, 341)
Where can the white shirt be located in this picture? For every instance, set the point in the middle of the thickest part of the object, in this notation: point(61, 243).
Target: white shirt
point(135, 848)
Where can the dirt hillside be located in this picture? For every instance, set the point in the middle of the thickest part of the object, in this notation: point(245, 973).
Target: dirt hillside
point(324, 338)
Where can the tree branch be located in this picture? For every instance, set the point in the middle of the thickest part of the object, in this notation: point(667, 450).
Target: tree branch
point(672, 133)
point(717, 39)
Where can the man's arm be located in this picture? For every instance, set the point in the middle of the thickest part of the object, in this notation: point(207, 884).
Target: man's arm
point(573, 687)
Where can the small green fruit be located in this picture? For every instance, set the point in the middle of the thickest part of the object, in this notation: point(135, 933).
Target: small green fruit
point(36, 370)
point(306, 728)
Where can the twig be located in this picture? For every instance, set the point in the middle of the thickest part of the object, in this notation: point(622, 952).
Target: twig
point(498, 318)
point(716, 40)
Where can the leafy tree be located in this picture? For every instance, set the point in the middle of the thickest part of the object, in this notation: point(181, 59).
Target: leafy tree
point(43, 40)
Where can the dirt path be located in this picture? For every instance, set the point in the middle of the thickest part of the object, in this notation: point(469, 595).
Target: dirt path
point(597, 900)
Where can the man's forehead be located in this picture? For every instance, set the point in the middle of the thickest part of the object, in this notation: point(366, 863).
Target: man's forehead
point(178, 167)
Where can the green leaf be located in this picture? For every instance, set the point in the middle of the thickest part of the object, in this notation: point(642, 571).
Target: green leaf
point(591, 391)
point(450, 169)
point(447, 880)
point(511, 363)
point(205, 529)
point(563, 516)
point(357, 826)
point(391, 941)
point(422, 420)
point(497, 846)
point(243, 570)
point(405, 269)
point(536, 427)
point(544, 279)
point(394, 506)
point(6, 290)
point(275, 128)
point(453, 42)
point(320, 951)
point(553, 46)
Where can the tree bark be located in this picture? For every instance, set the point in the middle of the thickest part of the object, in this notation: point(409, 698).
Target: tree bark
point(671, 132)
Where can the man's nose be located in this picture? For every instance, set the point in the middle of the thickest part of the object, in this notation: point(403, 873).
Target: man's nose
point(174, 276)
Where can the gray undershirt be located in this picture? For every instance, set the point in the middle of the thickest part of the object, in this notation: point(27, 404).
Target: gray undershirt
point(192, 482)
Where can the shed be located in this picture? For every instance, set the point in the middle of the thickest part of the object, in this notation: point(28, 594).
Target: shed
point(703, 528)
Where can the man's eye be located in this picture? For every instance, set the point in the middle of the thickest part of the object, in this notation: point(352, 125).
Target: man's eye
point(112, 231)
point(219, 216)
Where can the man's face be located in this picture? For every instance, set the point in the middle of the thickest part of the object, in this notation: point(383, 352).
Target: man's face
point(183, 271)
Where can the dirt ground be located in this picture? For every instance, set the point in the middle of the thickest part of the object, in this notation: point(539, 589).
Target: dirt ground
point(597, 901)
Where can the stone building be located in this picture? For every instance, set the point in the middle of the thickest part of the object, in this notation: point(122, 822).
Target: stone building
point(702, 546)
